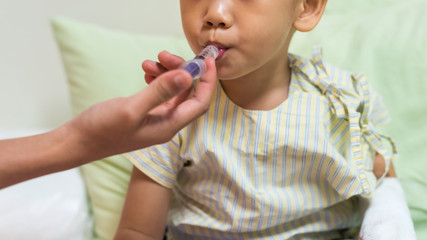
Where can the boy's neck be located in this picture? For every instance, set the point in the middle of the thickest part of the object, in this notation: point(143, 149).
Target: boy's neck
point(263, 89)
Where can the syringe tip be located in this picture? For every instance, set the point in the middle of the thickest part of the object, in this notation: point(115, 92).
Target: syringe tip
point(208, 51)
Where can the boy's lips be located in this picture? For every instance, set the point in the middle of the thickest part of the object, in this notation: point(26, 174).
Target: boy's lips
point(221, 52)
point(221, 48)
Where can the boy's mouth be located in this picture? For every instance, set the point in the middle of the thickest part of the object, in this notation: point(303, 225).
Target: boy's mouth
point(221, 52)
point(221, 48)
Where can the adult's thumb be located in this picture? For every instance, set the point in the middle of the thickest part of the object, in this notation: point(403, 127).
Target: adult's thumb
point(165, 87)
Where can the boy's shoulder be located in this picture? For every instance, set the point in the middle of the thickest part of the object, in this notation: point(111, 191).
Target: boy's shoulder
point(341, 87)
point(325, 76)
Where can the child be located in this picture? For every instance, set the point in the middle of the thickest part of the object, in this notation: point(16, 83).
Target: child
point(285, 150)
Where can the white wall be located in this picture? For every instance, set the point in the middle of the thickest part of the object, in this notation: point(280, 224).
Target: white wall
point(33, 90)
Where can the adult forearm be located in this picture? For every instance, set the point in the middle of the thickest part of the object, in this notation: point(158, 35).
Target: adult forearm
point(28, 157)
point(130, 234)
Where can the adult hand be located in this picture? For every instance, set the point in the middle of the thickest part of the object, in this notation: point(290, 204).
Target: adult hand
point(152, 116)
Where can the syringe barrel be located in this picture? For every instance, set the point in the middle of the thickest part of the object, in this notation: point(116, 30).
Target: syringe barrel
point(196, 66)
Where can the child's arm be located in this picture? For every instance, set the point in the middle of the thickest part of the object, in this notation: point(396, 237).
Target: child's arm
point(379, 167)
point(387, 216)
point(145, 210)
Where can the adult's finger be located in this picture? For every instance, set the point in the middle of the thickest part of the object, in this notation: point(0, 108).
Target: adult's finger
point(169, 61)
point(165, 87)
point(152, 67)
point(152, 70)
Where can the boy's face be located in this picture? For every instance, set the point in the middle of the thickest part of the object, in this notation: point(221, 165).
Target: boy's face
point(252, 35)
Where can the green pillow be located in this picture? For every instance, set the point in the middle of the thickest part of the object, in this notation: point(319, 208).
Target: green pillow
point(101, 64)
point(388, 42)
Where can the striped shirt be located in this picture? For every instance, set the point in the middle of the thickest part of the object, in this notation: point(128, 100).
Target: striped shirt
point(292, 172)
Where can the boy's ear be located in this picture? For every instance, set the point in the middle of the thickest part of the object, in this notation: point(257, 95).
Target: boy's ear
point(309, 14)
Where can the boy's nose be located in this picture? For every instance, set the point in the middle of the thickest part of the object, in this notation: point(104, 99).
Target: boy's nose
point(218, 15)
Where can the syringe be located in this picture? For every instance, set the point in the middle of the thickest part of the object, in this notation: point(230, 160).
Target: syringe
point(196, 66)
